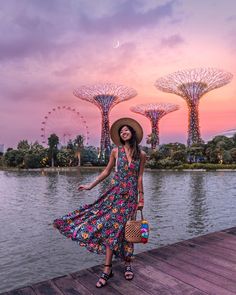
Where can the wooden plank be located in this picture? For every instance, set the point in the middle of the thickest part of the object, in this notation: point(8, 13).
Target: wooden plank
point(151, 277)
point(46, 288)
point(184, 275)
point(197, 255)
point(88, 279)
point(231, 231)
point(219, 241)
point(216, 247)
point(69, 286)
point(225, 235)
point(170, 252)
point(216, 250)
point(21, 291)
point(207, 257)
point(223, 240)
point(215, 237)
point(198, 271)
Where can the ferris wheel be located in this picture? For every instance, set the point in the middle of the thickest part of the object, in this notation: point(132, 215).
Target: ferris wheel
point(66, 122)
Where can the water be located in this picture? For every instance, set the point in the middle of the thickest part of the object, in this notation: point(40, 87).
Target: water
point(178, 205)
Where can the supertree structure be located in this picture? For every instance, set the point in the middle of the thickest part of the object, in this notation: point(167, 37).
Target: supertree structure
point(154, 112)
point(191, 85)
point(105, 97)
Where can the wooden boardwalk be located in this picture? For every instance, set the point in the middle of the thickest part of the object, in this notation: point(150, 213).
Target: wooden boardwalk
point(202, 265)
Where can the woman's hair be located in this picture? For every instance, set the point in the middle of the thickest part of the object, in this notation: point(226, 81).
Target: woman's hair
point(133, 142)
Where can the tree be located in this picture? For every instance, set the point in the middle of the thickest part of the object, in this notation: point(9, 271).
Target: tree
point(37, 147)
point(167, 150)
point(223, 142)
point(23, 145)
point(32, 160)
point(179, 156)
point(70, 145)
point(53, 141)
point(195, 153)
point(78, 145)
point(65, 157)
point(226, 157)
point(35, 157)
point(234, 139)
point(89, 154)
point(217, 149)
point(152, 139)
point(233, 154)
point(13, 158)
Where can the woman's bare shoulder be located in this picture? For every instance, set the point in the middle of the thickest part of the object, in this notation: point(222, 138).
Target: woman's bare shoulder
point(114, 152)
point(143, 154)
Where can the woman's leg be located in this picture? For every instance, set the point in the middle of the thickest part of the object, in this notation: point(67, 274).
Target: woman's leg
point(108, 260)
point(107, 269)
point(128, 270)
point(129, 250)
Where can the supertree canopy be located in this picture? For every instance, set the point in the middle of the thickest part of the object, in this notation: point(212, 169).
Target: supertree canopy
point(154, 112)
point(105, 97)
point(191, 85)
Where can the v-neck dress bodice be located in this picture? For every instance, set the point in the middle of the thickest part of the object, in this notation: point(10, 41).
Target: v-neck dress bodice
point(125, 178)
point(102, 223)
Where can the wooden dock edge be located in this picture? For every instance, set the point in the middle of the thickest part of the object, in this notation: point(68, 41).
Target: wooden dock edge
point(201, 265)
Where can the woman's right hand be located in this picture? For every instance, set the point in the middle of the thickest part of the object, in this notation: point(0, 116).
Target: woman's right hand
point(85, 187)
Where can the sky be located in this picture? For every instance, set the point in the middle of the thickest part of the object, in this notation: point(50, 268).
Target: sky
point(48, 48)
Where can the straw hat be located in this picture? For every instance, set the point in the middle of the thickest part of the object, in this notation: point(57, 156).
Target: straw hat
point(125, 121)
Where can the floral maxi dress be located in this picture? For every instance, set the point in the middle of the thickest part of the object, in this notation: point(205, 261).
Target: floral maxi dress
point(102, 223)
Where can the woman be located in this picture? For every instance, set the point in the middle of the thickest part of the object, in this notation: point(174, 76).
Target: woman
point(100, 226)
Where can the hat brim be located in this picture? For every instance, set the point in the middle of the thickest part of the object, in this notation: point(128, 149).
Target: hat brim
point(125, 121)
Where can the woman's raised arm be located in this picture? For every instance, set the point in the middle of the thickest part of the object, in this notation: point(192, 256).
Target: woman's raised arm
point(104, 173)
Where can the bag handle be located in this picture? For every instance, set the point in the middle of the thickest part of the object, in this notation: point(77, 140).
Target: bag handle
point(135, 214)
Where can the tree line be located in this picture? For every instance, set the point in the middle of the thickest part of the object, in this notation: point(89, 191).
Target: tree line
point(220, 150)
point(34, 155)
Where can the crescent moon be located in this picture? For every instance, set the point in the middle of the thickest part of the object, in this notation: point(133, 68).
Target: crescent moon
point(117, 44)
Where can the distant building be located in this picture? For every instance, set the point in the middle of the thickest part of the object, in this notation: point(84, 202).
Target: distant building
point(1, 148)
point(227, 133)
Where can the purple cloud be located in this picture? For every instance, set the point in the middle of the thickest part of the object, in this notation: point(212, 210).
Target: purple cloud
point(231, 18)
point(127, 17)
point(172, 41)
point(44, 29)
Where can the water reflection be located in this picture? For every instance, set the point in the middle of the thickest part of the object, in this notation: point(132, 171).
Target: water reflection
point(52, 183)
point(153, 186)
point(198, 210)
point(178, 205)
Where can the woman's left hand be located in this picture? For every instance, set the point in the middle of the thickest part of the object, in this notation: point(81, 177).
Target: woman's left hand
point(85, 187)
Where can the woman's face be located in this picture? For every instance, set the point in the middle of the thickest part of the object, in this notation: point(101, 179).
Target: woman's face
point(125, 133)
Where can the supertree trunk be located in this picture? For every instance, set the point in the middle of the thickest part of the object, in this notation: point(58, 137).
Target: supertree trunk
point(105, 143)
point(193, 124)
point(155, 133)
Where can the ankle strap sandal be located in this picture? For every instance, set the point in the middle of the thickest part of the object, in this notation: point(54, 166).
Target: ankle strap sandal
point(105, 277)
point(129, 275)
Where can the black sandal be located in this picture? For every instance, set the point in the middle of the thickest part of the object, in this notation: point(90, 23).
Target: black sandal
point(129, 276)
point(105, 277)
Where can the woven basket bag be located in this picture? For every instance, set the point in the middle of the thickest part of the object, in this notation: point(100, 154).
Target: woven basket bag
point(133, 232)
